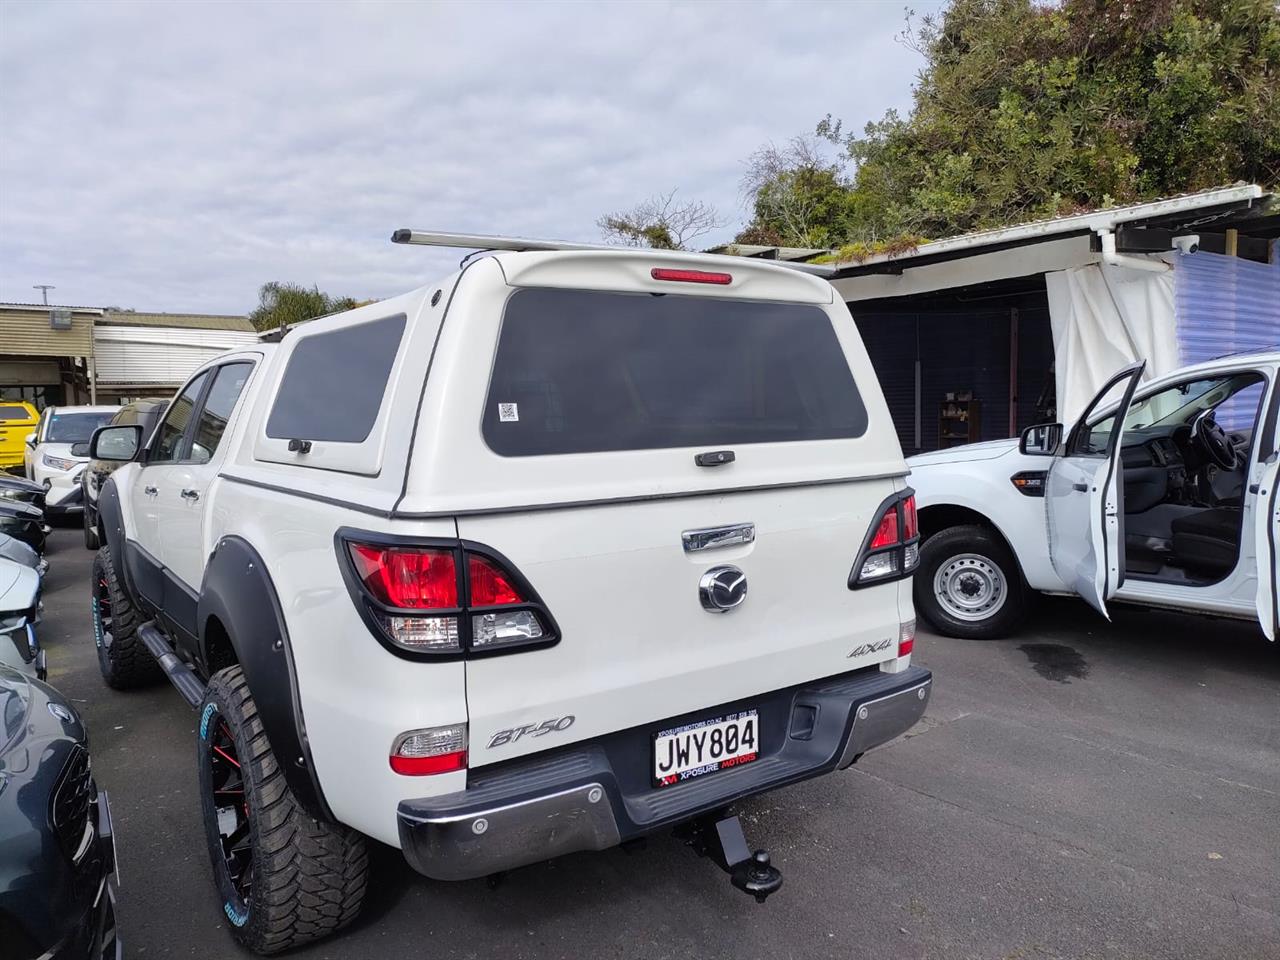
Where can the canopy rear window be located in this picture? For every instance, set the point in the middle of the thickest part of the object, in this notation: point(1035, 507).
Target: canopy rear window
point(581, 371)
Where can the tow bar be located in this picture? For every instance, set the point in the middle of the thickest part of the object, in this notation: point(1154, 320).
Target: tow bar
point(720, 838)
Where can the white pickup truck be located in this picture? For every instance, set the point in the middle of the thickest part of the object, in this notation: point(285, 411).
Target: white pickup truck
point(1177, 509)
point(568, 547)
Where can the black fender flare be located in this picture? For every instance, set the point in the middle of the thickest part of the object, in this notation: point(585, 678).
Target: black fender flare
point(238, 591)
point(111, 522)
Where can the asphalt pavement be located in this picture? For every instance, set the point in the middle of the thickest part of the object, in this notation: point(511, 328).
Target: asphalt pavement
point(1086, 790)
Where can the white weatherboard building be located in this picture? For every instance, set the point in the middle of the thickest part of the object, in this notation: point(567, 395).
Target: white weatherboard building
point(55, 356)
point(150, 354)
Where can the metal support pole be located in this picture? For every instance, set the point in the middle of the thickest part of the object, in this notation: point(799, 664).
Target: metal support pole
point(1013, 371)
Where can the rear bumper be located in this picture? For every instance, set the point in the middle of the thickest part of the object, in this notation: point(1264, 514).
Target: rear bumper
point(596, 794)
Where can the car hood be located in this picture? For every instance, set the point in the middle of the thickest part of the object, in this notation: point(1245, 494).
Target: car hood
point(18, 586)
point(987, 450)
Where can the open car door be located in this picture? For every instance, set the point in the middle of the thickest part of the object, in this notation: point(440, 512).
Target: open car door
point(1266, 533)
point(1084, 495)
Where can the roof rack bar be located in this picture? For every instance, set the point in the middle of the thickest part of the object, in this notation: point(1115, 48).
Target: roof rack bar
point(475, 241)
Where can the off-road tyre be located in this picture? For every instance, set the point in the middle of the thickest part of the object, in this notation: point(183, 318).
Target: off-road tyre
point(981, 555)
point(91, 541)
point(123, 658)
point(283, 878)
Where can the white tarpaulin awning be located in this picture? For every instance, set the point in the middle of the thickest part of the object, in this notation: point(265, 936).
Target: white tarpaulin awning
point(1105, 317)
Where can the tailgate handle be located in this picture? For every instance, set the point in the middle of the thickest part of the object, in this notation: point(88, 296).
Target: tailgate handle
point(710, 537)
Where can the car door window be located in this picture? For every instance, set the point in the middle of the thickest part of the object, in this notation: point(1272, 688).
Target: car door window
point(1094, 437)
point(170, 439)
point(218, 405)
point(1236, 397)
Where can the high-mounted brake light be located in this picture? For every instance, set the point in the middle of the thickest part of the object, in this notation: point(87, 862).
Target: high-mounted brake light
point(691, 276)
point(443, 598)
point(892, 550)
point(433, 750)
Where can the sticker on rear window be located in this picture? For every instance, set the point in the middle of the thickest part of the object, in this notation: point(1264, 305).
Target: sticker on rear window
point(508, 413)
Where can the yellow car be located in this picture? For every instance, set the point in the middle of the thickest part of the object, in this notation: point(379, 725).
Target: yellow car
point(17, 419)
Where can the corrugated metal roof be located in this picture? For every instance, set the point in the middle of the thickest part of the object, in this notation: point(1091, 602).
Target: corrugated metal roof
point(48, 306)
point(760, 252)
point(194, 321)
point(25, 332)
point(1080, 222)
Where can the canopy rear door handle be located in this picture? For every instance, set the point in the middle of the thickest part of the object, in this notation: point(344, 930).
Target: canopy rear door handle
point(189, 494)
point(726, 536)
point(150, 491)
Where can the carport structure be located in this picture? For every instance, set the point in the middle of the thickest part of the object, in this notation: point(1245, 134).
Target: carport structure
point(1023, 324)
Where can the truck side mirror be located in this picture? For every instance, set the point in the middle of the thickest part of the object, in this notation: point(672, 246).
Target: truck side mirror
point(31, 439)
point(1042, 440)
point(118, 443)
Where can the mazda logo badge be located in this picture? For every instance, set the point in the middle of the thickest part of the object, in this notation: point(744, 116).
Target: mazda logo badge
point(722, 588)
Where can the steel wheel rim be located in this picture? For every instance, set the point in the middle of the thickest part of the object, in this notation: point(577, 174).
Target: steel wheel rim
point(102, 618)
point(231, 810)
point(970, 587)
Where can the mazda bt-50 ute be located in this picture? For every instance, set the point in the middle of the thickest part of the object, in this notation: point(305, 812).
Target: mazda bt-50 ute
point(569, 547)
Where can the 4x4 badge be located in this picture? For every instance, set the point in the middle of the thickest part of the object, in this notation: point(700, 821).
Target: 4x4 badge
point(722, 588)
point(870, 648)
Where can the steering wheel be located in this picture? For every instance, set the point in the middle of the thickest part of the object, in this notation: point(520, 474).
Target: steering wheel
point(1213, 442)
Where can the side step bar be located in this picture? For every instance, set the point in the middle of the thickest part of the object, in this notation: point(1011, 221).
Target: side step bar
point(180, 675)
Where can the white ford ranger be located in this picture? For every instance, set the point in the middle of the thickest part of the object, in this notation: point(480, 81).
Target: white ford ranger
point(568, 547)
point(1177, 509)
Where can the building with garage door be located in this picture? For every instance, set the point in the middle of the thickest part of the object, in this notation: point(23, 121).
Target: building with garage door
point(153, 354)
point(978, 336)
point(58, 356)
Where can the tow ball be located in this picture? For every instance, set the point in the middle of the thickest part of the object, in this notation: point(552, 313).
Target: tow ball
point(720, 839)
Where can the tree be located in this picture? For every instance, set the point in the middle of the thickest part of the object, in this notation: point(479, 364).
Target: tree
point(798, 197)
point(1026, 110)
point(660, 222)
point(280, 304)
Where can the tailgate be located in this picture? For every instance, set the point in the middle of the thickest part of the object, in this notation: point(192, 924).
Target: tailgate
point(637, 643)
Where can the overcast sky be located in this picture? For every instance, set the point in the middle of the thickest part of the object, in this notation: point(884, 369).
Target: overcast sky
point(175, 156)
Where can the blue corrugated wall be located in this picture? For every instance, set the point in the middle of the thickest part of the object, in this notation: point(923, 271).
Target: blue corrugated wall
point(1225, 305)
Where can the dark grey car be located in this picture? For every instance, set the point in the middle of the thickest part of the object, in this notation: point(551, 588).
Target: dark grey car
point(57, 892)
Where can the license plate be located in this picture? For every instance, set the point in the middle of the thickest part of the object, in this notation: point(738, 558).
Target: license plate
point(708, 746)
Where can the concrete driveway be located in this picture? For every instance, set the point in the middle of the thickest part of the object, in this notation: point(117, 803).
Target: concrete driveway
point(1087, 790)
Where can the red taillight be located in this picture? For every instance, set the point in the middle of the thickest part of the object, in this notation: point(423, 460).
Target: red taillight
point(407, 577)
point(691, 276)
point(887, 531)
point(894, 548)
point(906, 638)
point(910, 525)
point(433, 750)
point(489, 585)
point(444, 599)
point(422, 766)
